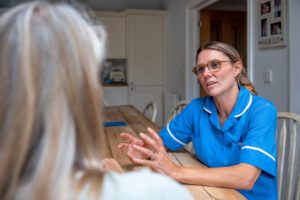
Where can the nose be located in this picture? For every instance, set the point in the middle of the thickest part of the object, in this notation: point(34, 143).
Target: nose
point(204, 76)
point(206, 72)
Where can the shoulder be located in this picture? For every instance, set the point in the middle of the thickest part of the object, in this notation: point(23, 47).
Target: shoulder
point(262, 111)
point(261, 104)
point(142, 184)
point(198, 101)
point(194, 109)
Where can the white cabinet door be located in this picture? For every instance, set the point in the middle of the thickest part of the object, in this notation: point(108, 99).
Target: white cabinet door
point(116, 35)
point(141, 96)
point(146, 60)
point(115, 96)
point(146, 49)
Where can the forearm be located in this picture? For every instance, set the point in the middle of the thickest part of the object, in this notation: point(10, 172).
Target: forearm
point(240, 176)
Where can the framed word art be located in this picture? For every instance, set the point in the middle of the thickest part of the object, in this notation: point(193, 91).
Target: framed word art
point(272, 29)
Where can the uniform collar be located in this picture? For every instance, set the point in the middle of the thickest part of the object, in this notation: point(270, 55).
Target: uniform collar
point(242, 105)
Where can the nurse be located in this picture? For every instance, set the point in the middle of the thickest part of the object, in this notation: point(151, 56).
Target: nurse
point(232, 129)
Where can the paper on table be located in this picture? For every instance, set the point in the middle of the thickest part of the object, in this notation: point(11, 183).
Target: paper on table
point(114, 123)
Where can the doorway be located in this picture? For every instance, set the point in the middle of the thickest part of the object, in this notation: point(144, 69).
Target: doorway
point(224, 26)
point(193, 40)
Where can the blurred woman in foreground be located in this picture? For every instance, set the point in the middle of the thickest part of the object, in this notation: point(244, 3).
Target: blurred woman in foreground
point(50, 113)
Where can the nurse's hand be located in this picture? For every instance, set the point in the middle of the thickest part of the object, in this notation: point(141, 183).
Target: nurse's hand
point(129, 141)
point(156, 154)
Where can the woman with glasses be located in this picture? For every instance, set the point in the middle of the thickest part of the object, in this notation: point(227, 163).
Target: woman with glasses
point(232, 129)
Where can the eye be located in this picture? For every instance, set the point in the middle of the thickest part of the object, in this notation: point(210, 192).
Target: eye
point(214, 65)
point(200, 69)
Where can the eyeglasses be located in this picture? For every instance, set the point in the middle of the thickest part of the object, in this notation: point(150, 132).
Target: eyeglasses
point(212, 65)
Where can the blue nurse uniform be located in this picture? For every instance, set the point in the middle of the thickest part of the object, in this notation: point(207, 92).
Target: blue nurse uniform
point(247, 136)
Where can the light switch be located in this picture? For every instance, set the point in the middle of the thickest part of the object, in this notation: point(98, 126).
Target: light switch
point(268, 76)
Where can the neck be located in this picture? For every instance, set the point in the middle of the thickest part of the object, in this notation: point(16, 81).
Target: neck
point(226, 101)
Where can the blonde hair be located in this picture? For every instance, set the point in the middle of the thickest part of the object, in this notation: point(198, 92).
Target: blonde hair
point(50, 97)
point(234, 56)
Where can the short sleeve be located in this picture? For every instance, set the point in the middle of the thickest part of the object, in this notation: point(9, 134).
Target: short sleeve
point(179, 131)
point(259, 145)
point(143, 184)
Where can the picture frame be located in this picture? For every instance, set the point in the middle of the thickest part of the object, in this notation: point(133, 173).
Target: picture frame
point(272, 23)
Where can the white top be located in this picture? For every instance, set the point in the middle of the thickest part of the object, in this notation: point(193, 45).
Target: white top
point(140, 185)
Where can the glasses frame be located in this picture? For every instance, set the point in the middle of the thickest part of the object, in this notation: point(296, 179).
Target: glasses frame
point(194, 70)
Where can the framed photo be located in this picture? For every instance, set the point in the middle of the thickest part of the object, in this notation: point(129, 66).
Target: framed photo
point(271, 20)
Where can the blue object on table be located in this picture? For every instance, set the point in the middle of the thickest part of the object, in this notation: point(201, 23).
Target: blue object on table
point(114, 123)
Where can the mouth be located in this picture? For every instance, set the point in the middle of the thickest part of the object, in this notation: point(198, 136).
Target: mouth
point(209, 83)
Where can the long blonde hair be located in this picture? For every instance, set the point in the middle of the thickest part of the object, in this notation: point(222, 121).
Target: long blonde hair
point(234, 56)
point(50, 113)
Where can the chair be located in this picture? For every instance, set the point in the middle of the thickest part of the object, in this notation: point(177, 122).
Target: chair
point(178, 108)
point(150, 111)
point(104, 102)
point(288, 144)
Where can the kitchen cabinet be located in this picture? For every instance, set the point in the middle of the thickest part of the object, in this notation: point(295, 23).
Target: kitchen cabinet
point(115, 25)
point(115, 96)
point(146, 58)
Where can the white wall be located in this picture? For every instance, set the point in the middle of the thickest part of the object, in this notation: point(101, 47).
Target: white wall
point(277, 61)
point(294, 54)
point(175, 70)
point(282, 61)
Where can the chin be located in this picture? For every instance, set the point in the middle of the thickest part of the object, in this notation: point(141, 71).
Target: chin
point(212, 92)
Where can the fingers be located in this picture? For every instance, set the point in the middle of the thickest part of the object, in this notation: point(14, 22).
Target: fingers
point(155, 136)
point(142, 148)
point(139, 161)
point(153, 140)
point(152, 147)
point(131, 139)
point(127, 148)
point(123, 146)
point(149, 141)
point(147, 152)
point(127, 137)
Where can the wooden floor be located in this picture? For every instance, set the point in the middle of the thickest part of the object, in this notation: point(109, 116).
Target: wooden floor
point(136, 123)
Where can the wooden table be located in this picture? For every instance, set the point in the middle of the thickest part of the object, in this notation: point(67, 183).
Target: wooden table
point(137, 123)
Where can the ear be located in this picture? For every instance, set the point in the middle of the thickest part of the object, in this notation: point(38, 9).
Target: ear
point(237, 67)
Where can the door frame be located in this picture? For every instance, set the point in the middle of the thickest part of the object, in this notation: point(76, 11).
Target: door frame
point(192, 43)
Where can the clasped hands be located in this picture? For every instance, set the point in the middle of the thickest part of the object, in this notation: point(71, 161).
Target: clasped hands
point(148, 150)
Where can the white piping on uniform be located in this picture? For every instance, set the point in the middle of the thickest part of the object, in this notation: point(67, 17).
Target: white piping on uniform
point(247, 107)
point(172, 136)
point(260, 150)
point(207, 110)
